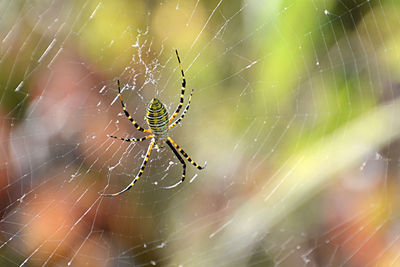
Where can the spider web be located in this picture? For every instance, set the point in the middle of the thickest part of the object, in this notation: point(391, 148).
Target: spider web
point(295, 110)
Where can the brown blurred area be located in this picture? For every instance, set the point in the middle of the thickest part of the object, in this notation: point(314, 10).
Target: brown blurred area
point(62, 219)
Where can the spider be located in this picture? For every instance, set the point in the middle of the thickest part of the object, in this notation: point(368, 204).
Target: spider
point(159, 124)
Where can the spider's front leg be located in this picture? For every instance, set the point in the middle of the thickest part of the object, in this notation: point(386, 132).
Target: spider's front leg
point(137, 176)
point(175, 148)
point(186, 155)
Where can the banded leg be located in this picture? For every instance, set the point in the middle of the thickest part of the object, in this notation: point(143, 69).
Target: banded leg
point(183, 113)
point(137, 176)
point(180, 159)
point(128, 115)
point(186, 155)
point(131, 139)
point(182, 89)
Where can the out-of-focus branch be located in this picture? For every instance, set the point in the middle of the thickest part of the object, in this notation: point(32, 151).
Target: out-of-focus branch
point(304, 175)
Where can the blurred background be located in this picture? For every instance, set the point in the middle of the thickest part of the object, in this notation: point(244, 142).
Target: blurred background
point(295, 110)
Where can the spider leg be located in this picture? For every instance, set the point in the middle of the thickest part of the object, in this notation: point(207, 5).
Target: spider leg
point(183, 113)
point(186, 155)
point(180, 159)
point(137, 176)
point(131, 139)
point(182, 89)
point(128, 115)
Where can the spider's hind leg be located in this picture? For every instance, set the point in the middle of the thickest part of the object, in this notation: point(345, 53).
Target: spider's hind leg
point(181, 98)
point(137, 126)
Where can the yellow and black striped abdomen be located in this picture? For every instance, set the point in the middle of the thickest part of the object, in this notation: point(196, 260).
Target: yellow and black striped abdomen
point(157, 118)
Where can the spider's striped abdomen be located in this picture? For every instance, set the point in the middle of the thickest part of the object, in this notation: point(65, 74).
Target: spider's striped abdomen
point(157, 118)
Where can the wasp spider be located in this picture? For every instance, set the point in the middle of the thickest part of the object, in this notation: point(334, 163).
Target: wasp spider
point(159, 124)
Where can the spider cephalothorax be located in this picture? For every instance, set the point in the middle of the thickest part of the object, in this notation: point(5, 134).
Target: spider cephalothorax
point(159, 124)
